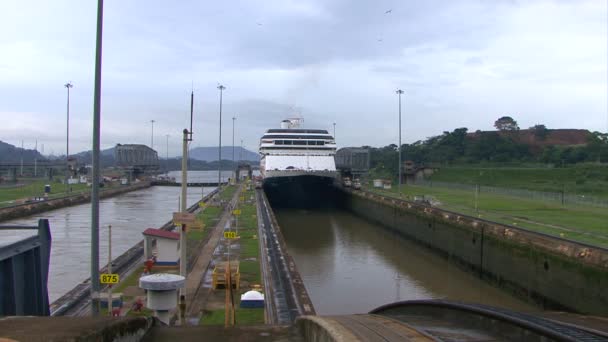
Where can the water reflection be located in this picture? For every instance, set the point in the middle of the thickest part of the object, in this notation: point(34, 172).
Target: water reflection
point(129, 214)
point(350, 265)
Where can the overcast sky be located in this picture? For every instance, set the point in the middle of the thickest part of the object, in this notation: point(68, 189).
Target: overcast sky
point(461, 64)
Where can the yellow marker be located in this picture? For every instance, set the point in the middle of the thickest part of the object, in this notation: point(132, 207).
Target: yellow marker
point(230, 235)
point(236, 212)
point(242, 198)
point(109, 278)
point(202, 204)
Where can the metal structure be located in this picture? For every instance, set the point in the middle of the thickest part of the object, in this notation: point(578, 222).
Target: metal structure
point(352, 160)
point(95, 285)
point(67, 137)
point(219, 168)
point(399, 92)
point(24, 272)
point(136, 158)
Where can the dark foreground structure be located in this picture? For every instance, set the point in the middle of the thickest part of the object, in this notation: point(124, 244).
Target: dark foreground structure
point(24, 271)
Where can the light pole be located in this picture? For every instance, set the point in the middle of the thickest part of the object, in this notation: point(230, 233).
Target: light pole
point(234, 169)
point(241, 151)
point(219, 168)
point(399, 92)
point(167, 160)
point(96, 167)
point(152, 135)
point(67, 138)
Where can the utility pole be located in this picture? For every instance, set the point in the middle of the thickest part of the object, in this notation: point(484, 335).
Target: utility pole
point(399, 92)
point(110, 269)
point(67, 138)
point(233, 166)
point(241, 151)
point(152, 135)
point(96, 167)
point(36, 159)
point(187, 137)
point(219, 168)
point(167, 160)
point(21, 158)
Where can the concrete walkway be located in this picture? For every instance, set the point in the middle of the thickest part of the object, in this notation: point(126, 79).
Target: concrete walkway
point(196, 295)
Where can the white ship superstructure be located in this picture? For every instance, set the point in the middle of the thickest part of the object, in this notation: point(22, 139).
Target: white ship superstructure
point(291, 151)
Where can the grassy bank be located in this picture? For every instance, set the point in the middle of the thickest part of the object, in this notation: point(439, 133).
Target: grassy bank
point(584, 179)
point(249, 264)
point(35, 188)
point(579, 223)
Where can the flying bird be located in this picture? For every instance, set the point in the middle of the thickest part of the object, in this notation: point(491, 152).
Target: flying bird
point(259, 24)
point(389, 11)
point(380, 40)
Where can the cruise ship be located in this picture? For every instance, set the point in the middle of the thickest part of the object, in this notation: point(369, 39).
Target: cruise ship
point(297, 163)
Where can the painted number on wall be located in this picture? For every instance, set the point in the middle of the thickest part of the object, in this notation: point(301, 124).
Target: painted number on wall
point(230, 235)
point(109, 278)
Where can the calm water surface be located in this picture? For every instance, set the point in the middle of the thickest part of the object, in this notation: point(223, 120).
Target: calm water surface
point(350, 265)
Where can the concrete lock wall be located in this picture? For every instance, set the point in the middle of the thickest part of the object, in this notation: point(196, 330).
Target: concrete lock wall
point(552, 272)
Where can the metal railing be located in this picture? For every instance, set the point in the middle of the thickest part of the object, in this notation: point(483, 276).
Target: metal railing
point(24, 272)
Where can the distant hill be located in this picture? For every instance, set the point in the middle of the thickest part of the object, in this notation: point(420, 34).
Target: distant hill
point(12, 154)
point(106, 157)
point(209, 154)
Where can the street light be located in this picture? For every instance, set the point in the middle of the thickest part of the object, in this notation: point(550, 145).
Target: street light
point(167, 160)
point(68, 86)
point(152, 135)
point(233, 120)
point(219, 168)
point(399, 92)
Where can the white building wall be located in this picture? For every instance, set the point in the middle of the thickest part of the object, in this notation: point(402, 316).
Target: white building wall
point(167, 250)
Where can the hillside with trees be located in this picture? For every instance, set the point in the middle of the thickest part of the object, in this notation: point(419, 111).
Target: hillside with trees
point(507, 145)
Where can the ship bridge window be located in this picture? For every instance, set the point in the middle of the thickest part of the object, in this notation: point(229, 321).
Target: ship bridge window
point(278, 142)
point(297, 142)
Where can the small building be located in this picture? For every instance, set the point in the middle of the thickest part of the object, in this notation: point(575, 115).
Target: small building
point(167, 246)
point(252, 299)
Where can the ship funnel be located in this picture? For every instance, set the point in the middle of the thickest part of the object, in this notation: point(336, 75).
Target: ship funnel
point(285, 124)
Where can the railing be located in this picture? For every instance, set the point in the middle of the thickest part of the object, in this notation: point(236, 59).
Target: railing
point(24, 271)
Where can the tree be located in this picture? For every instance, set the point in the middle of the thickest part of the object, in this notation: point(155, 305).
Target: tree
point(506, 123)
point(539, 131)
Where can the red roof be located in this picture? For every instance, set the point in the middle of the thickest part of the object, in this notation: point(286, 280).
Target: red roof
point(161, 233)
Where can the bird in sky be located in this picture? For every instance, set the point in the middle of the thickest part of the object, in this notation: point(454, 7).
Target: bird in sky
point(259, 24)
point(380, 40)
point(389, 11)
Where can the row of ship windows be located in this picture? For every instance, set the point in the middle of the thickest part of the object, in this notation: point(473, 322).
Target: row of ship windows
point(299, 142)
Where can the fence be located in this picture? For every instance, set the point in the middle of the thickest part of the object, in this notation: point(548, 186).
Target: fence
point(559, 197)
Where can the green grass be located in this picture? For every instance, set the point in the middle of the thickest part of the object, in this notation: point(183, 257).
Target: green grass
point(579, 223)
point(248, 316)
point(228, 192)
point(250, 270)
point(215, 317)
point(583, 179)
point(131, 280)
point(209, 215)
point(36, 189)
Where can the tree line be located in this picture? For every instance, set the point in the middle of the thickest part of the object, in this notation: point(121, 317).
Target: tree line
point(501, 146)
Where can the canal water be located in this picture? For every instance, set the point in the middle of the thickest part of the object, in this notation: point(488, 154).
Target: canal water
point(350, 265)
point(129, 214)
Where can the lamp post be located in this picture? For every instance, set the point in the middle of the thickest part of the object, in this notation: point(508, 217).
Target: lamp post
point(219, 168)
point(399, 92)
point(167, 155)
point(96, 167)
point(152, 135)
point(68, 86)
point(234, 169)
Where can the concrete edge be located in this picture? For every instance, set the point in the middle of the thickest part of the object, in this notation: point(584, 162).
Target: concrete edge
point(318, 329)
point(132, 329)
